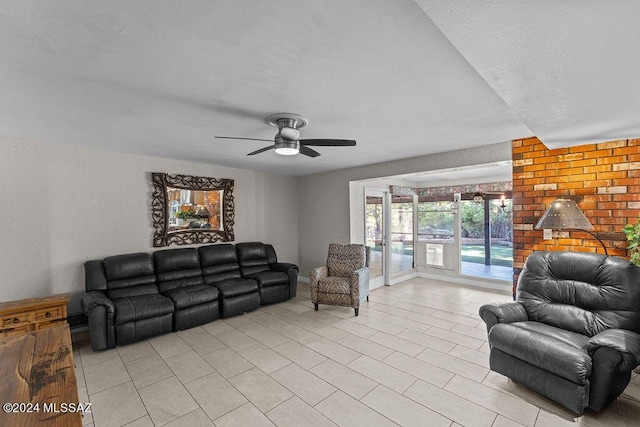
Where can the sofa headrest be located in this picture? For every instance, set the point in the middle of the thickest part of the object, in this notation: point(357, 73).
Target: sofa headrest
point(176, 259)
point(217, 254)
point(128, 266)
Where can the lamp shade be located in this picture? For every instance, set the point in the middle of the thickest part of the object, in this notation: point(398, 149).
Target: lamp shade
point(202, 212)
point(564, 214)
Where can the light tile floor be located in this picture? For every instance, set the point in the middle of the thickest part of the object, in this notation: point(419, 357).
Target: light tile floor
point(416, 355)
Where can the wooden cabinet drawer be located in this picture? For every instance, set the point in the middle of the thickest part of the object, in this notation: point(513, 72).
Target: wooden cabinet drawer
point(46, 314)
point(16, 320)
point(23, 329)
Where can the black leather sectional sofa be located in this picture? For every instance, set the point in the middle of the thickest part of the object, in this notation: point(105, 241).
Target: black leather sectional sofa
point(136, 296)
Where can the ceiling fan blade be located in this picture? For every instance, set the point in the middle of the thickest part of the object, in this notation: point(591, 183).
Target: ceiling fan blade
point(250, 139)
point(262, 150)
point(308, 151)
point(328, 142)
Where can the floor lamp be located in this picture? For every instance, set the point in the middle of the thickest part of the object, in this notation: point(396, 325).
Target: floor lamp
point(564, 214)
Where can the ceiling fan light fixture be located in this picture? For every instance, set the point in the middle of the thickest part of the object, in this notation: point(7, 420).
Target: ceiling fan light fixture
point(287, 148)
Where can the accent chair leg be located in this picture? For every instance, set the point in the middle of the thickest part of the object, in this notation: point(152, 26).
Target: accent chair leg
point(356, 311)
point(316, 306)
point(367, 298)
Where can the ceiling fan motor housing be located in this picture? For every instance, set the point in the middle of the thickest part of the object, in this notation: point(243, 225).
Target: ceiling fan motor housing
point(288, 125)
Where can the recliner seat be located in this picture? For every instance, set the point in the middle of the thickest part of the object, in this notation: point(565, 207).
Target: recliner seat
point(123, 302)
point(179, 277)
point(573, 334)
point(220, 268)
point(276, 281)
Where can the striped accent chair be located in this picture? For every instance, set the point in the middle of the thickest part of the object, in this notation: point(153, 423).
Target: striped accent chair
point(344, 280)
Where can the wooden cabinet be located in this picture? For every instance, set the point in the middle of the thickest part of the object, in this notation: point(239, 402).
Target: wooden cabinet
point(20, 317)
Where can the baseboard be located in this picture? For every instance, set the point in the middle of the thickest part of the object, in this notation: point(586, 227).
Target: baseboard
point(304, 279)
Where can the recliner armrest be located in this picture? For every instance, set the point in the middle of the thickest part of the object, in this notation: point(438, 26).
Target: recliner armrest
point(292, 271)
point(100, 311)
point(624, 341)
point(94, 299)
point(317, 274)
point(507, 312)
point(284, 267)
point(362, 275)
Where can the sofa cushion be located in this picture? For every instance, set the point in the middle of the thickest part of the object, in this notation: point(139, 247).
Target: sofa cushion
point(269, 278)
point(141, 307)
point(188, 296)
point(235, 287)
point(335, 285)
point(555, 350)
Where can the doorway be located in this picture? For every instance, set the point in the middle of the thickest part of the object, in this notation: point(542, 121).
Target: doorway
point(375, 235)
point(486, 236)
point(389, 232)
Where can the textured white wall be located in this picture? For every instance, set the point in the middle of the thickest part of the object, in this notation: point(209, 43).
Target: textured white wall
point(329, 213)
point(62, 205)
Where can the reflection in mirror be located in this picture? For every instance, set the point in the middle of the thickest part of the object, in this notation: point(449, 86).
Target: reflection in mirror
point(194, 209)
point(191, 209)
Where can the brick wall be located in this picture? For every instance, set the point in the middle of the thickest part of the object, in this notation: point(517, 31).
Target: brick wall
point(603, 179)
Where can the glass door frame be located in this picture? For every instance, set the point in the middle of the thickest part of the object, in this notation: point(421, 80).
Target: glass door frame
point(398, 276)
point(384, 278)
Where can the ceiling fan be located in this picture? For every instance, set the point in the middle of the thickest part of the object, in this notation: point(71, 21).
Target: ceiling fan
point(287, 141)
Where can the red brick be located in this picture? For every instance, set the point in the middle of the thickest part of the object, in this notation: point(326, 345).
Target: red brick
point(630, 182)
point(583, 177)
point(571, 171)
point(600, 168)
point(598, 153)
point(568, 185)
point(611, 159)
point(582, 148)
point(598, 183)
point(626, 150)
point(521, 149)
point(626, 197)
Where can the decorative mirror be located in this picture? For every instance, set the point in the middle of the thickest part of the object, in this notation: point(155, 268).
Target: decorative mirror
point(191, 209)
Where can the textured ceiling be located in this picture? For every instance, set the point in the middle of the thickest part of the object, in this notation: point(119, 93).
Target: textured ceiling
point(161, 78)
point(569, 69)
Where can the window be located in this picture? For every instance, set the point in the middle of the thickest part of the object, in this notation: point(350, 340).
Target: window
point(435, 221)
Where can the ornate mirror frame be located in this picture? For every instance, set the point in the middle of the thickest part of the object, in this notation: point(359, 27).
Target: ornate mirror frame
point(163, 236)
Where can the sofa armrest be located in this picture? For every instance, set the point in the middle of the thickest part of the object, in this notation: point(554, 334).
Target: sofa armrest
point(361, 277)
point(95, 299)
point(284, 267)
point(507, 312)
point(627, 343)
point(100, 311)
point(292, 272)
